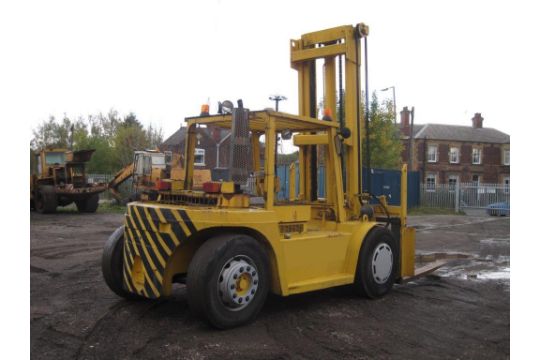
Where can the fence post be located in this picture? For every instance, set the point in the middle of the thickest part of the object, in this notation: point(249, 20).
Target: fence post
point(457, 190)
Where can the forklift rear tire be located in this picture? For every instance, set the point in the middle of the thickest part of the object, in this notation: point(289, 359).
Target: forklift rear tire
point(112, 262)
point(228, 280)
point(46, 202)
point(377, 264)
point(88, 205)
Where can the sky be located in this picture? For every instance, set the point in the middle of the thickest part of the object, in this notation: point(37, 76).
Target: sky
point(163, 59)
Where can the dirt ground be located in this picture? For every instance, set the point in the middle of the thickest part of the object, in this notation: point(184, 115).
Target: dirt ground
point(460, 312)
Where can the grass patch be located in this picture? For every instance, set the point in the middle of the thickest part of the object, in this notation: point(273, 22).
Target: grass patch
point(109, 207)
point(433, 211)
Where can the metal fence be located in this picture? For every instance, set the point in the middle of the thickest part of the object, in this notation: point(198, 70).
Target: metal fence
point(463, 195)
point(101, 178)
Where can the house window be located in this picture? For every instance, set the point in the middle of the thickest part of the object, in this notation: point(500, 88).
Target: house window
point(454, 155)
point(506, 157)
point(431, 181)
point(507, 185)
point(476, 180)
point(452, 182)
point(476, 156)
point(432, 153)
point(199, 157)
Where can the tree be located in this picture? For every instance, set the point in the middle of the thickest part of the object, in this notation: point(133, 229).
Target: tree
point(384, 138)
point(114, 138)
point(127, 140)
point(384, 141)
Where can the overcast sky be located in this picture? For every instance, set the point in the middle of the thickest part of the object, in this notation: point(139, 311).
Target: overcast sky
point(163, 59)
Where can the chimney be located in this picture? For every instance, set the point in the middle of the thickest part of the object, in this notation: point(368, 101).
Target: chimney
point(405, 121)
point(216, 134)
point(477, 121)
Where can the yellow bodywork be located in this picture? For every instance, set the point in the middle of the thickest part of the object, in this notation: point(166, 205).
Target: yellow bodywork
point(312, 243)
point(320, 255)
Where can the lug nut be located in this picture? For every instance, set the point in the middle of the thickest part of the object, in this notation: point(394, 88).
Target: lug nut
point(235, 277)
point(255, 282)
point(242, 269)
point(252, 291)
point(240, 300)
point(234, 296)
point(247, 298)
point(248, 269)
point(253, 273)
point(232, 287)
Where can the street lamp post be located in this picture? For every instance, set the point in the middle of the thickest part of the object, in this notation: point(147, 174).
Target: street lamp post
point(277, 99)
point(394, 100)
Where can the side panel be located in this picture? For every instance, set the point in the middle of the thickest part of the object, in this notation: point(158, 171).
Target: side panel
point(157, 237)
point(159, 245)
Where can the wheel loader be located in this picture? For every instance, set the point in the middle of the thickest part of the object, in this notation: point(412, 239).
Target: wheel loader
point(60, 179)
point(147, 170)
point(235, 241)
point(151, 171)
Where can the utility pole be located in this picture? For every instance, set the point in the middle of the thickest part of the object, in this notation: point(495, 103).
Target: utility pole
point(393, 100)
point(277, 99)
point(411, 142)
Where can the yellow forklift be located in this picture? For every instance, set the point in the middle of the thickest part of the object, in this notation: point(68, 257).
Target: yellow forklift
point(234, 241)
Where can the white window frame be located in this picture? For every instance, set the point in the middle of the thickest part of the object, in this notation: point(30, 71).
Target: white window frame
point(454, 151)
point(456, 179)
point(434, 177)
point(430, 153)
point(506, 157)
point(200, 152)
point(506, 187)
point(479, 156)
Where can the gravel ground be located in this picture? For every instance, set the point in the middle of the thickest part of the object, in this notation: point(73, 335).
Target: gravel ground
point(461, 311)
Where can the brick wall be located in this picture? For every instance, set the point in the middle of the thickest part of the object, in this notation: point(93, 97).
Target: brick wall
point(490, 170)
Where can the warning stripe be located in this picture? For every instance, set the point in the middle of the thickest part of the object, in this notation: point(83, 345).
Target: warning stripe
point(127, 271)
point(164, 249)
point(146, 244)
point(172, 235)
point(134, 247)
point(150, 289)
point(188, 221)
point(176, 228)
point(149, 243)
point(181, 223)
point(145, 239)
point(128, 262)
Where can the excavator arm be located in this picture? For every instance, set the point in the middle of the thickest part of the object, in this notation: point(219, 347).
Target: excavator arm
point(125, 173)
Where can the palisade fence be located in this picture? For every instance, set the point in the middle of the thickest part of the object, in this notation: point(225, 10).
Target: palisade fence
point(102, 178)
point(461, 196)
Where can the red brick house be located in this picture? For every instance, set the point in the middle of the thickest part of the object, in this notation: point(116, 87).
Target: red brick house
point(212, 149)
point(446, 154)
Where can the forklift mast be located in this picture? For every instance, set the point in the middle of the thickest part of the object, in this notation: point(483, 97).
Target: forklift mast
point(338, 46)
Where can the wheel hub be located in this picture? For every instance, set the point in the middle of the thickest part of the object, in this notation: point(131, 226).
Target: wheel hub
point(238, 282)
point(382, 263)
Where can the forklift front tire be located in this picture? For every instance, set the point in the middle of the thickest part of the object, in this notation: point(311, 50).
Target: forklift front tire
point(377, 264)
point(228, 280)
point(112, 262)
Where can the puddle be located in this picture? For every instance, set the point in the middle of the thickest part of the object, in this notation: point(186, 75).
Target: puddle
point(495, 241)
point(503, 274)
point(497, 269)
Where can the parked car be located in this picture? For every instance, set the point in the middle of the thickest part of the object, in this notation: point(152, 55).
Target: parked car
point(498, 209)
